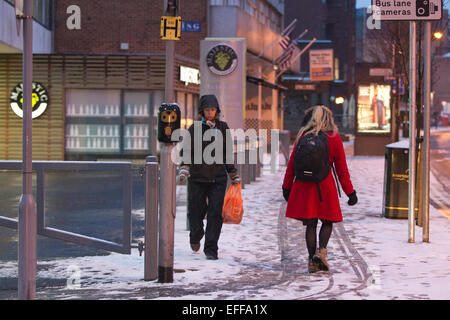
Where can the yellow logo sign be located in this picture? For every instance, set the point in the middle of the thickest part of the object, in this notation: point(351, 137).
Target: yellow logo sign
point(170, 28)
point(40, 100)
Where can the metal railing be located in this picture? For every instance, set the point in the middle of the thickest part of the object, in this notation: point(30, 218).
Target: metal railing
point(41, 167)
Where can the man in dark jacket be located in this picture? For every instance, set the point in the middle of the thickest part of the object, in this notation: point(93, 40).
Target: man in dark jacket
point(207, 183)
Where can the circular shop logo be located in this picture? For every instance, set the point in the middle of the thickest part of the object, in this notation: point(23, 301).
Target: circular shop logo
point(40, 100)
point(222, 60)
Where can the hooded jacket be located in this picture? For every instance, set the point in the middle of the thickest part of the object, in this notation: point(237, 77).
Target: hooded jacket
point(203, 172)
point(208, 101)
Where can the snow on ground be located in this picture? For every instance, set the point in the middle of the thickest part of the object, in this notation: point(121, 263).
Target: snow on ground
point(265, 256)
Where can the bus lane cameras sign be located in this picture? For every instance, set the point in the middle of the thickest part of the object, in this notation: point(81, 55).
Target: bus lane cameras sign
point(407, 10)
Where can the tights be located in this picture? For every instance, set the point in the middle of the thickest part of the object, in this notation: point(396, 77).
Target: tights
point(324, 236)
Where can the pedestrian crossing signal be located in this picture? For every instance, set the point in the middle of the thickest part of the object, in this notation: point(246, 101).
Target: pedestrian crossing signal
point(170, 28)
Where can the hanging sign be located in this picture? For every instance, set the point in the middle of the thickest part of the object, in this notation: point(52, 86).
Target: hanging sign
point(321, 65)
point(40, 100)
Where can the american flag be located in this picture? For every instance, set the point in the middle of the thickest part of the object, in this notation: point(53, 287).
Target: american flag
point(284, 42)
point(288, 46)
point(283, 61)
point(285, 39)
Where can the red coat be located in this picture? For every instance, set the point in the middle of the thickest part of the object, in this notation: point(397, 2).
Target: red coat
point(304, 202)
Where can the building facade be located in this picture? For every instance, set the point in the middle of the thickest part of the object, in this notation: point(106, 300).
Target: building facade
point(260, 22)
point(102, 64)
point(105, 80)
point(332, 23)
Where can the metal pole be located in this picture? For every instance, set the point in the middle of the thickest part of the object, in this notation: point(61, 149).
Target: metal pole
point(260, 97)
point(170, 72)
point(412, 131)
point(426, 129)
point(274, 150)
point(167, 204)
point(167, 193)
point(151, 218)
point(27, 206)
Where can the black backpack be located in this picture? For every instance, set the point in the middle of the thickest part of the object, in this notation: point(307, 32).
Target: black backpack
point(312, 159)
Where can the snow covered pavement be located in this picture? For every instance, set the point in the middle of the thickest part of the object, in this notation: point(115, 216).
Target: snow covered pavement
point(265, 256)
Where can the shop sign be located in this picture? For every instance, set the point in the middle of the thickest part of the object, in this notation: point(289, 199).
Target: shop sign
point(380, 72)
point(305, 87)
point(222, 60)
point(321, 65)
point(40, 100)
point(189, 75)
point(223, 72)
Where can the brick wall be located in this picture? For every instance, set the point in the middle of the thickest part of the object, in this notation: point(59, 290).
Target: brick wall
point(105, 24)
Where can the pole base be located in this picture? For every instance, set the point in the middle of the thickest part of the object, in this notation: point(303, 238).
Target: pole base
point(165, 274)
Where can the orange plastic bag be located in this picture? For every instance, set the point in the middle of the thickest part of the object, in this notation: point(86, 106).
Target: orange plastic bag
point(233, 205)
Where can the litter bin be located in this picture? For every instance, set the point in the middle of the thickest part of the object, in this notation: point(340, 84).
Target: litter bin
point(396, 181)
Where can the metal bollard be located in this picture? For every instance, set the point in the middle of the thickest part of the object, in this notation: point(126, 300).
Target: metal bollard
point(247, 165)
point(258, 160)
point(239, 166)
point(151, 218)
point(252, 150)
point(167, 209)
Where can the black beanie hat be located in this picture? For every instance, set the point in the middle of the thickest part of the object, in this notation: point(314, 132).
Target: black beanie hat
point(208, 101)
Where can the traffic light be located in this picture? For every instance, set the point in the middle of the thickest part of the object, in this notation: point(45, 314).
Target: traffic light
point(172, 7)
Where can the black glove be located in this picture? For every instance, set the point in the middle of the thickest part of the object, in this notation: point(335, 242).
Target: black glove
point(286, 193)
point(352, 198)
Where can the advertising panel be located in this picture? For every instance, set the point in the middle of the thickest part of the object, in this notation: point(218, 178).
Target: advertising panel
point(374, 108)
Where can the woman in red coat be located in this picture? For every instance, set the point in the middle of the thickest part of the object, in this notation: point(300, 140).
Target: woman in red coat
point(303, 197)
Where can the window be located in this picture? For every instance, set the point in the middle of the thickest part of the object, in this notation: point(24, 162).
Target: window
point(233, 3)
point(249, 6)
point(42, 10)
point(188, 104)
point(114, 122)
point(262, 13)
point(225, 3)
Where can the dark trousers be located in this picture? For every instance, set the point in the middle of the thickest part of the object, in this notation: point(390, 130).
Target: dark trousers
point(206, 199)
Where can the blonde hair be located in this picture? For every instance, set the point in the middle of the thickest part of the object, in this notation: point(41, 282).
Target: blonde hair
point(321, 120)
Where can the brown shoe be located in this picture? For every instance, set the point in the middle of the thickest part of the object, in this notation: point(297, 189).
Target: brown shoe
point(321, 259)
point(195, 247)
point(312, 266)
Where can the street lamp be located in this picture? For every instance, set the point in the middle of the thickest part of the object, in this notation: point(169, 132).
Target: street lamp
point(438, 35)
point(339, 100)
